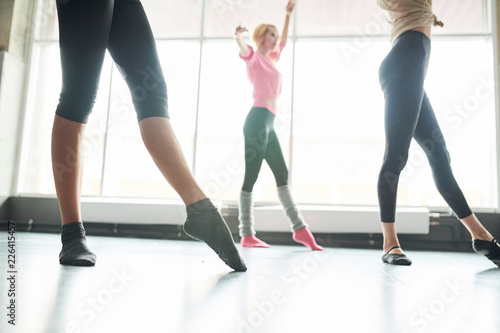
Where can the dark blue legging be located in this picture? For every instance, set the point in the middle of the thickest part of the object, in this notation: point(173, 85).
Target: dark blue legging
point(409, 114)
point(86, 29)
point(261, 143)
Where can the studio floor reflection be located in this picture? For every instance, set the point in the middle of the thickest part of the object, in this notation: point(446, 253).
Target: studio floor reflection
point(143, 285)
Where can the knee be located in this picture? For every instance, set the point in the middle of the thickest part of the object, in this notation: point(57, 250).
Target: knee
point(436, 152)
point(282, 180)
point(440, 159)
point(249, 182)
point(75, 107)
point(149, 92)
point(394, 162)
point(154, 105)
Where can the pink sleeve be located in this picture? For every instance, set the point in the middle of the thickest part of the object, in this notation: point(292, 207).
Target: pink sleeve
point(247, 57)
point(276, 55)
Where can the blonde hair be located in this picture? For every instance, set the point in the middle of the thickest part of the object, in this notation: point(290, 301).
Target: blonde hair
point(260, 31)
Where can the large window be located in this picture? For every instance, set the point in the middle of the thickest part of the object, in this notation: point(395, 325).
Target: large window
point(338, 126)
point(330, 114)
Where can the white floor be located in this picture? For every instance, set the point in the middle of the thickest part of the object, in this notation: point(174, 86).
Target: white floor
point(143, 285)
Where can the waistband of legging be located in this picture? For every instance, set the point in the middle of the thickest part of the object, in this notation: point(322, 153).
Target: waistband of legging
point(410, 32)
point(265, 106)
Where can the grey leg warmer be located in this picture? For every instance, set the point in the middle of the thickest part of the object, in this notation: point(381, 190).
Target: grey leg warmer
point(245, 217)
point(291, 211)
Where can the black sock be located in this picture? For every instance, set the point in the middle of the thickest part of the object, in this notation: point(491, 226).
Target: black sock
point(205, 223)
point(75, 251)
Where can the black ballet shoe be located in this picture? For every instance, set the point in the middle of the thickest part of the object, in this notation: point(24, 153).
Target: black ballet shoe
point(490, 250)
point(396, 259)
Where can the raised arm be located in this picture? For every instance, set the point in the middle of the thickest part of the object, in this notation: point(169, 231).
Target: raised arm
point(289, 10)
point(239, 40)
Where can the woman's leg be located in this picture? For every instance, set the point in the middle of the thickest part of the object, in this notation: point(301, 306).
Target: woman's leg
point(256, 134)
point(132, 46)
point(475, 228)
point(276, 161)
point(390, 238)
point(204, 222)
point(429, 136)
point(402, 76)
point(399, 130)
point(83, 34)
point(67, 166)
point(401, 116)
point(256, 130)
point(160, 140)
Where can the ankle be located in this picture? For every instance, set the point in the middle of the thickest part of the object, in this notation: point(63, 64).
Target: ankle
point(252, 241)
point(71, 231)
point(486, 236)
point(305, 237)
point(389, 246)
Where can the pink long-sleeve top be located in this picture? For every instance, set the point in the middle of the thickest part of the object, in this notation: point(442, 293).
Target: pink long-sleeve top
point(262, 73)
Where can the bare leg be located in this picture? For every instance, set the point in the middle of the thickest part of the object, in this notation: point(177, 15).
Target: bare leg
point(203, 221)
point(67, 166)
point(390, 238)
point(67, 161)
point(393, 254)
point(476, 229)
point(164, 148)
point(473, 225)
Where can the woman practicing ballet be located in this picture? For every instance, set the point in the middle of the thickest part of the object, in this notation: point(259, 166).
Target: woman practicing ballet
point(261, 142)
point(86, 29)
point(409, 114)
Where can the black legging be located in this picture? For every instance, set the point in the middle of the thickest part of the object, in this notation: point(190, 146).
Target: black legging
point(86, 29)
point(408, 113)
point(262, 143)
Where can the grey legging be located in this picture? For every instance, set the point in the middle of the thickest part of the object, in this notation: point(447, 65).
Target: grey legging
point(86, 29)
point(409, 114)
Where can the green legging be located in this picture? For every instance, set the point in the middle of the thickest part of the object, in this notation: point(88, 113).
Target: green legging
point(261, 143)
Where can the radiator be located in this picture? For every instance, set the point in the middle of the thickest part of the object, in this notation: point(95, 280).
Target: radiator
point(343, 219)
point(324, 219)
point(151, 211)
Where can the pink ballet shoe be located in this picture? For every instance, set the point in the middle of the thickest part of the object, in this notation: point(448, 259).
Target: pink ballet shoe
point(252, 241)
point(305, 237)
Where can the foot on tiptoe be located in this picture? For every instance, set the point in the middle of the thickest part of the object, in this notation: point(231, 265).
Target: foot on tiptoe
point(205, 223)
point(490, 249)
point(305, 237)
point(252, 241)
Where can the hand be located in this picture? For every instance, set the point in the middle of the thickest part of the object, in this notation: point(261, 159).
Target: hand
point(290, 6)
point(240, 30)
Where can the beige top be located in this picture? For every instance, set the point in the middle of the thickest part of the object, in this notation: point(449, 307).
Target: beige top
point(405, 15)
